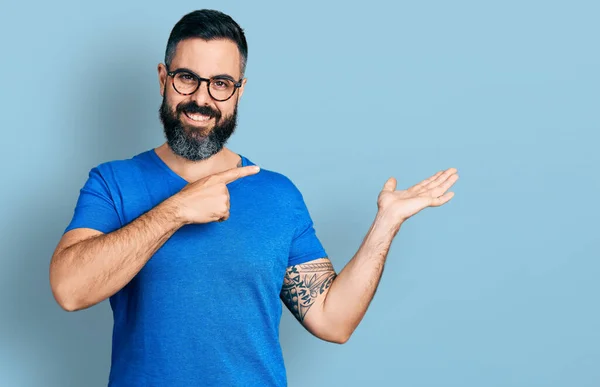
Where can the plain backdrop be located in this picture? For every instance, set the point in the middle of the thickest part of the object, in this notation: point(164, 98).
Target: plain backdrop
point(497, 288)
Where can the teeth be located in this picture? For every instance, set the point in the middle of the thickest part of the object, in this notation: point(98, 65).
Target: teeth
point(198, 117)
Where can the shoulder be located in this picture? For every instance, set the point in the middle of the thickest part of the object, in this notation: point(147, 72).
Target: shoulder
point(276, 183)
point(121, 168)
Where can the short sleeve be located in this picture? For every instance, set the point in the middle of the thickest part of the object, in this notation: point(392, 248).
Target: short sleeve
point(306, 246)
point(95, 208)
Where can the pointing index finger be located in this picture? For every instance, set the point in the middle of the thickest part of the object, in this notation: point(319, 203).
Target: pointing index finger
point(237, 173)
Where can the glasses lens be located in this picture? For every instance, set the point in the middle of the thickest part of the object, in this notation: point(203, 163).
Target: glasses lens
point(221, 89)
point(185, 83)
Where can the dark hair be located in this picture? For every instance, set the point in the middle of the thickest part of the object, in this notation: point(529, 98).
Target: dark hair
point(207, 24)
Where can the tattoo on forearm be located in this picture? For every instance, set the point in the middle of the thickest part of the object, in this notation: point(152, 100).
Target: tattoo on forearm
point(303, 284)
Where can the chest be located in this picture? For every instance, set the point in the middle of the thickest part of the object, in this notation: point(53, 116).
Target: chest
point(250, 250)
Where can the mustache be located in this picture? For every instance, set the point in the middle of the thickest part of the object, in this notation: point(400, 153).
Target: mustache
point(192, 107)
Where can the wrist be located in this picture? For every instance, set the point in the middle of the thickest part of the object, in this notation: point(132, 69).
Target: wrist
point(173, 210)
point(387, 222)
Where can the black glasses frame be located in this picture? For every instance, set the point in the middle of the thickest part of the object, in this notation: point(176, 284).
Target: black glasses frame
point(199, 81)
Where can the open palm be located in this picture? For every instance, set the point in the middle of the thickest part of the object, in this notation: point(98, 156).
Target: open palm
point(431, 192)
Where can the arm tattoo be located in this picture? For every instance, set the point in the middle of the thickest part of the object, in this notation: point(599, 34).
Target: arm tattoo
point(302, 285)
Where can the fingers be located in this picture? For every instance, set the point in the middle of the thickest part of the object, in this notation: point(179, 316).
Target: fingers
point(443, 187)
point(390, 185)
point(431, 178)
point(226, 206)
point(233, 174)
point(441, 178)
point(420, 185)
point(439, 201)
point(427, 184)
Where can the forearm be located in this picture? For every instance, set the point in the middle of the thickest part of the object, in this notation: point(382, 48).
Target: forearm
point(96, 268)
point(351, 292)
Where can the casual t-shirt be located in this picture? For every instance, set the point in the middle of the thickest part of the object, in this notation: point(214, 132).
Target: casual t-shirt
point(205, 309)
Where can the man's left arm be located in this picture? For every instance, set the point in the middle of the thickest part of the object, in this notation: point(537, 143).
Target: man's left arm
point(331, 305)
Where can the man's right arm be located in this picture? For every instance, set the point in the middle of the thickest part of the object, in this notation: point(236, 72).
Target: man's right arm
point(89, 266)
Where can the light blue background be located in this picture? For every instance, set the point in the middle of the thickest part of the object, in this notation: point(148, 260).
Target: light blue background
point(497, 288)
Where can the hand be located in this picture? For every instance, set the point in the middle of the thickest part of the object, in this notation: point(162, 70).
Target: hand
point(207, 200)
point(431, 192)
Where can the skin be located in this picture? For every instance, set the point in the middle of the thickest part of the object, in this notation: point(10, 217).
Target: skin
point(77, 277)
point(207, 59)
point(327, 304)
point(333, 304)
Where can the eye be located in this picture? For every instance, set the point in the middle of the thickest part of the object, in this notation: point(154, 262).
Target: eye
point(221, 84)
point(186, 77)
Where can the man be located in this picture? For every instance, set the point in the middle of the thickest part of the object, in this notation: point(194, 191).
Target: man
point(195, 246)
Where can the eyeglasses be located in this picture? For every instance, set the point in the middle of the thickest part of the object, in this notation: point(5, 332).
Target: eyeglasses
point(220, 88)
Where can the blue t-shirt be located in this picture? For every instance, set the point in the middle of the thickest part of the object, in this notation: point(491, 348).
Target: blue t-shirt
point(205, 309)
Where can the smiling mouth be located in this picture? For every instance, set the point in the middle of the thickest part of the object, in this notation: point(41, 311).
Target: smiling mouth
point(196, 117)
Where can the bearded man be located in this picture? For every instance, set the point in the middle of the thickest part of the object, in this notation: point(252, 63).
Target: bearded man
point(195, 246)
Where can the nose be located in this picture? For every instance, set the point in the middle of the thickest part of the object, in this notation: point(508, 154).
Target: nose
point(201, 96)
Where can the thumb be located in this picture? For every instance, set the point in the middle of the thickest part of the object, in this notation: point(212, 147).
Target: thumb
point(390, 185)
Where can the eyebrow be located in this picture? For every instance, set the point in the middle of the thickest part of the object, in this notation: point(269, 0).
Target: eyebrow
point(219, 76)
point(224, 76)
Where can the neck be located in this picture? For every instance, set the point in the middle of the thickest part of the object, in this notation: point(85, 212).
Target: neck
point(194, 170)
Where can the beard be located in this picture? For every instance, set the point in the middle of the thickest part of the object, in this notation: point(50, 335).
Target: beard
point(190, 142)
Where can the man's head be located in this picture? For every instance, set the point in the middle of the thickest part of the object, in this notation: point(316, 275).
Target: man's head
point(199, 118)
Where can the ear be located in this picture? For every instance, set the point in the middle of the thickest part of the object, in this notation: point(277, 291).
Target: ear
point(162, 78)
point(242, 88)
